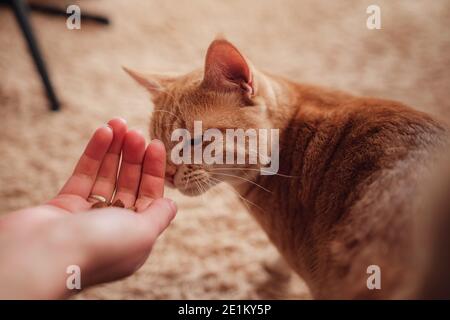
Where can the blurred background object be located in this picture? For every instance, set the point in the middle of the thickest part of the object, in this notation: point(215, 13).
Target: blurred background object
point(22, 10)
point(213, 249)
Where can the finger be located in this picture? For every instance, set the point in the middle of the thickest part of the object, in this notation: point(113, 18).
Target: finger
point(83, 177)
point(107, 175)
point(152, 179)
point(130, 169)
point(158, 216)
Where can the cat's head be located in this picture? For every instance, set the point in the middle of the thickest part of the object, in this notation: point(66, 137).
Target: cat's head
point(228, 93)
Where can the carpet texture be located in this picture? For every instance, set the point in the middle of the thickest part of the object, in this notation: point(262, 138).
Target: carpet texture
point(213, 249)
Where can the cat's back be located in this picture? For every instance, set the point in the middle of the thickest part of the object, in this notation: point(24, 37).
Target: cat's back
point(392, 149)
point(363, 167)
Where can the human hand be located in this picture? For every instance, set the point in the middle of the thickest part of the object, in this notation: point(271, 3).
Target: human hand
point(39, 243)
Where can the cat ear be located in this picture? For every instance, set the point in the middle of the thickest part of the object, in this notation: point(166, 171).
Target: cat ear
point(226, 68)
point(154, 83)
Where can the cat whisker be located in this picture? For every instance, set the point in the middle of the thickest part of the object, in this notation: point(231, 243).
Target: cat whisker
point(245, 179)
point(244, 201)
point(200, 191)
point(204, 190)
point(197, 185)
point(251, 169)
point(169, 112)
point(187, 181)
point(240, 196)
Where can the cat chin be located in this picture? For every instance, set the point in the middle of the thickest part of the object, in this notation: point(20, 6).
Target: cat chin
point(190, 192)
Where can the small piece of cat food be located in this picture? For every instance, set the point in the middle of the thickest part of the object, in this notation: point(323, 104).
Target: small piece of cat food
point(118, 203)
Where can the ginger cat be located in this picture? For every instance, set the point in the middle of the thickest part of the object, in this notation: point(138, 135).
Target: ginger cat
point(350, 168)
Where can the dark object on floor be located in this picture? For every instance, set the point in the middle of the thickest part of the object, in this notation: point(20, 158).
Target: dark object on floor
point(21, 10)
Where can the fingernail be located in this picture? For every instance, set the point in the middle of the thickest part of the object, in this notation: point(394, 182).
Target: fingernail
point(121, 119)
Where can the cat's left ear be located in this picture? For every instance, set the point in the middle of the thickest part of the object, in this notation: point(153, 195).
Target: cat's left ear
point(154, 83)
point(227, 69)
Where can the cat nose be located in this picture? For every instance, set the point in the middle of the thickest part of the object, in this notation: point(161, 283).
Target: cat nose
point(170, 177)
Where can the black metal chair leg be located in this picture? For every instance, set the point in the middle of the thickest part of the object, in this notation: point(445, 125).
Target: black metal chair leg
point(21, 11)
point(55, 11)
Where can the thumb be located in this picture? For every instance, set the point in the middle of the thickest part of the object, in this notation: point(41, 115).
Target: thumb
point(159, 215)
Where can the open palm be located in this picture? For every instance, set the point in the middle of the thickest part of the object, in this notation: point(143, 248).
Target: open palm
point(108, 243)
point(141, 175)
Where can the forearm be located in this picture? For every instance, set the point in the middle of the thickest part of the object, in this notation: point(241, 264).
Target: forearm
point(37, 247)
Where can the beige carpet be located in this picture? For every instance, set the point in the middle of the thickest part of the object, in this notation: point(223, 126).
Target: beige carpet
point(213, 249)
